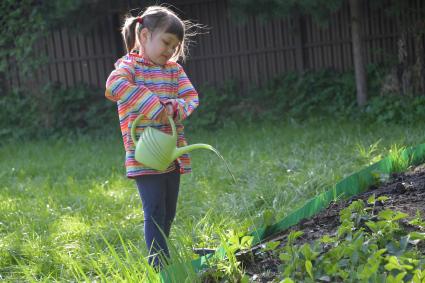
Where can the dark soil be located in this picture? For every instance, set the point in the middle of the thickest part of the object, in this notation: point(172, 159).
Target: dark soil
point(406, 193)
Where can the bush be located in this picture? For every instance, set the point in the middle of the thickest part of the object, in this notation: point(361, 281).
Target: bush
point(55, 110)
point(18, 115)
point(79, 109)
point(396, 109)
point(216, 105)
point(302, 96)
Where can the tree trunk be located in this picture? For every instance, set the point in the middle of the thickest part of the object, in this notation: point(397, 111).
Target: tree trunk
point(418, 69)
point(357, 53)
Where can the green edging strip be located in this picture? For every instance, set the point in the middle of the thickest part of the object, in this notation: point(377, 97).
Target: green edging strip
point(348, 187)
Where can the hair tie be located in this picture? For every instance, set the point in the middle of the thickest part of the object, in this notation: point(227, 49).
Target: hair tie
point(140, 20)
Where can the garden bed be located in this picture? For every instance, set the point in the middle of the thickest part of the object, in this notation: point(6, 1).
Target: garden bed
point(404, 192)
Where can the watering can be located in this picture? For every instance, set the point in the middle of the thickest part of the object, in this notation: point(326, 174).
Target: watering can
point(157, 150)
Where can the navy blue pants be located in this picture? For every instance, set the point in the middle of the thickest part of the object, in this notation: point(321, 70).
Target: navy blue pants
point(159, 198)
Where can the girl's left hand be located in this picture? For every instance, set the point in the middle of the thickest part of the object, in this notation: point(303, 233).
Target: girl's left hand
point(166, 112)
point(172, 107)
point(169, 108)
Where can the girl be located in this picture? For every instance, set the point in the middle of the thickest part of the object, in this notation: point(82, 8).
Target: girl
point(148, 80)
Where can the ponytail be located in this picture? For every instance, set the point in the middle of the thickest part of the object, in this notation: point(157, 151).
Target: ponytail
point(129, 32)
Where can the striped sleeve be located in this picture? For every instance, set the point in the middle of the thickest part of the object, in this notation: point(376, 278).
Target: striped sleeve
point(187, 99)
point(120, 87)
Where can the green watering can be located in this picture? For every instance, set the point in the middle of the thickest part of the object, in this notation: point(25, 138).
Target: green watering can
point(156, 149)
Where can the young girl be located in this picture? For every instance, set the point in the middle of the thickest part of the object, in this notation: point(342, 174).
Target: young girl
point(148, 80)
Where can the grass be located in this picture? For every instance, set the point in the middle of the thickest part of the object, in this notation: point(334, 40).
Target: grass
point(67, 212)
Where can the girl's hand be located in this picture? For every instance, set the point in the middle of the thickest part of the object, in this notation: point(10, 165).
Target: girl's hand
point(173, 107)
point(168, 111)
point(169, 108)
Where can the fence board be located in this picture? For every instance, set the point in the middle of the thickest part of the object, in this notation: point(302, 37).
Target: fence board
point(251, 53)
point(347, 36)
point(67, 54)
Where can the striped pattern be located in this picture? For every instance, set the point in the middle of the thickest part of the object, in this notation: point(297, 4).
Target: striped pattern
point(139, 86)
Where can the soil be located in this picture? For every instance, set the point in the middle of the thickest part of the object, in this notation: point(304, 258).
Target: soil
point(406, 193)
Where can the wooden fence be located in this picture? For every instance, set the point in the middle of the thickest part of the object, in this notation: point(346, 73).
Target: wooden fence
point(75, 58)
point(250, 54)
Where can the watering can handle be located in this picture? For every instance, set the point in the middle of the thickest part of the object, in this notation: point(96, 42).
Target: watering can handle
point(138, 118)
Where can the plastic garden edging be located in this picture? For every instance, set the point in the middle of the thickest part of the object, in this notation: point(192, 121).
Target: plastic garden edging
point(348, 187)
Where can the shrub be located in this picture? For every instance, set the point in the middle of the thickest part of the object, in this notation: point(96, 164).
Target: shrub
point(83, 109)
point(396, 109)
point(55, 110)
point(217, 105)
point(302, 96)
point(18, 115)
point(78, 109)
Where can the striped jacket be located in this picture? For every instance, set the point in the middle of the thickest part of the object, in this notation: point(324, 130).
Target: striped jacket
point(139, 86)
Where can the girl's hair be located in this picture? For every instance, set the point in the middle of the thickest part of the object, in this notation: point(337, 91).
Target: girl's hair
point(158, 19)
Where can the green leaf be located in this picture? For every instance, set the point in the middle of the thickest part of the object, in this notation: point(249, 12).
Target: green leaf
point(373, 226)
point(244, 279)
point(271, 246)
point(287, 280)
point(371, 199)
point(400, 276)
point(285, 257)
point(399, 215)
point(393, 264)
point(419, 275)
point(293, 236)
point(386, 214)
point(309, 268)
point(306, 251)
point(382, 198)
point(390, 215)
point(417, 235)
point(327, 239)
point(246, 241)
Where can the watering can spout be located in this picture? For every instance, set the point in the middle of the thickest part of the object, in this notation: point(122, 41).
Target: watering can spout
point(186, 149)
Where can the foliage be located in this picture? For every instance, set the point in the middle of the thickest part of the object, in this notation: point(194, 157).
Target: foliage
point(302, 96)
point(397, 8)
point(228, 268)
point(399, 161)
point(80, 109)
point(25, 22)
point(55, 111)
point(216, 105)
point(369, 246)
point(289, 96)
point(296, 96)
point(22, 25)
point(18, 115)
point(320, 10)
point(396, 108)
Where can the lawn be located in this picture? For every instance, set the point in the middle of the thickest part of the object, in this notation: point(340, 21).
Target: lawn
point(67, 212)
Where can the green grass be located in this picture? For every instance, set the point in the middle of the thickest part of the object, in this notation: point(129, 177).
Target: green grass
point(67, 212)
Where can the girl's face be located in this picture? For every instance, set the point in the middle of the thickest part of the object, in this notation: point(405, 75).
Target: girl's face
point(159, 47)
